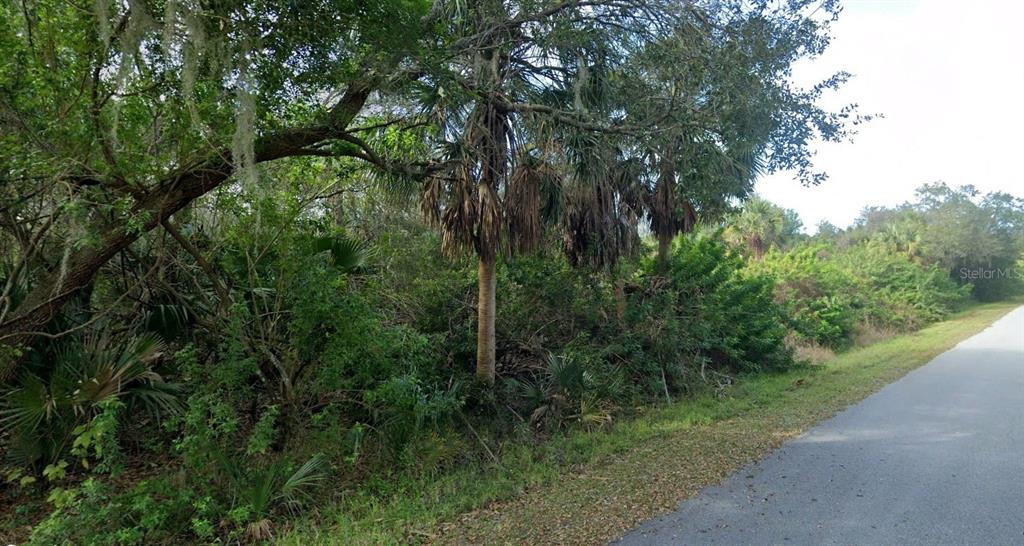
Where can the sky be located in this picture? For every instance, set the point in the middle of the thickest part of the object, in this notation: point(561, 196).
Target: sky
point(948, 75)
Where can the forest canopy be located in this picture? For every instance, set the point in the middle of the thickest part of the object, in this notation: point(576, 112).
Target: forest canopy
point(117, 118)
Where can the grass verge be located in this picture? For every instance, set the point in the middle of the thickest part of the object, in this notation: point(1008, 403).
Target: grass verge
point(590, 487)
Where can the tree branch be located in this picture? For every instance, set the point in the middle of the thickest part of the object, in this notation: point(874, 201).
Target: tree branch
point(169, 196)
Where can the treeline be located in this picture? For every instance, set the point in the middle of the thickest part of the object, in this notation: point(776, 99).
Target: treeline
point(894, 270)
point(259, 257)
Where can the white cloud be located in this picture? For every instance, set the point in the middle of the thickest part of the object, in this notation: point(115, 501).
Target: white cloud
point(949, 78)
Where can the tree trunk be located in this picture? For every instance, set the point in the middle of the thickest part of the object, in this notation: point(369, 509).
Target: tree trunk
point(620, 299)
point(757, 246)
point(664, 220)
point(485, 321)
point(664, 245)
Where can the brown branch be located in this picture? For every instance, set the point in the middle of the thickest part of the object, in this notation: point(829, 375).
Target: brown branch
point(218, 286)
point(484, 35)
point(95, 317)
point(29, 252)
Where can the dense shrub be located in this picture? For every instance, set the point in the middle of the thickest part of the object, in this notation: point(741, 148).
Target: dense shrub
point(65, 402)
point(899, 293)
point(830, 293)
point(148, 512)
point(705, 312)
point(997, 278)
point(823, 301)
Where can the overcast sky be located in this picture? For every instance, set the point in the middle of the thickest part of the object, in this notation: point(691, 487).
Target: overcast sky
point(949, 78)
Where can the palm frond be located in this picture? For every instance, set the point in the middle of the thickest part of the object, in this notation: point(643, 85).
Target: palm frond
point(26, 406)
point(348, 254)
point(532, 199)
point(296, 487)
point(111, 367)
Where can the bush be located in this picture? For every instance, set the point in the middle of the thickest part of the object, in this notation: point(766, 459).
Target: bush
point(149, 512)
point(71, 405)
point(823, 301)
point(829, 294)
point(706, 312)
point(899, 293)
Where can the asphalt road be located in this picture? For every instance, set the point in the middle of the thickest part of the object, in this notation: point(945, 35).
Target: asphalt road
point(935, 458)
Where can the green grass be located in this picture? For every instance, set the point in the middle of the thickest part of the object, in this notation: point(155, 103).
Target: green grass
point(589, 487)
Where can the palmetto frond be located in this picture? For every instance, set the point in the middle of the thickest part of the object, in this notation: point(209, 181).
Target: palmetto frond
point(110, 368)
point(569, 376)
point(348, 254)
point(758, 226)
point(604, 200)
point(272, 486)
point(451, 200)
point(28, 405)
point(296, 487)
point(41, 412)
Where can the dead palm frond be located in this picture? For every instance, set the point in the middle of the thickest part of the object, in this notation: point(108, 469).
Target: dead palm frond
point(532, 200)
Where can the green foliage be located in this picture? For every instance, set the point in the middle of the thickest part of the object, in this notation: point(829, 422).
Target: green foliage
point(402, 407)
point(976, 240)
point(712, 316)
point(830, 293)
point(347, 356)
point(761, 225)
point(263, 432)
point(149, 512)
point(255, 493)
point(567, 391)
point(822, 300)
point(346, 254)
point(164, 511)
point(72, 404)
point(97, 439)
point(899, 293)
point(359, 370)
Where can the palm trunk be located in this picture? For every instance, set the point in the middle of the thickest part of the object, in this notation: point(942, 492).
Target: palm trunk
point(663, 216)
point(664, 245)
point(757, 245)
point(620, 299)
point(619, 293)
point(485, 321)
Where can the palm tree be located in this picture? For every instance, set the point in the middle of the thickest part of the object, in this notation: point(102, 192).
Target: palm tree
point(670, 215)
point(464, 202)
point(757, 226)
point(694, 181)
point(502, 103)
point(488, 214)
point(903, 237)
